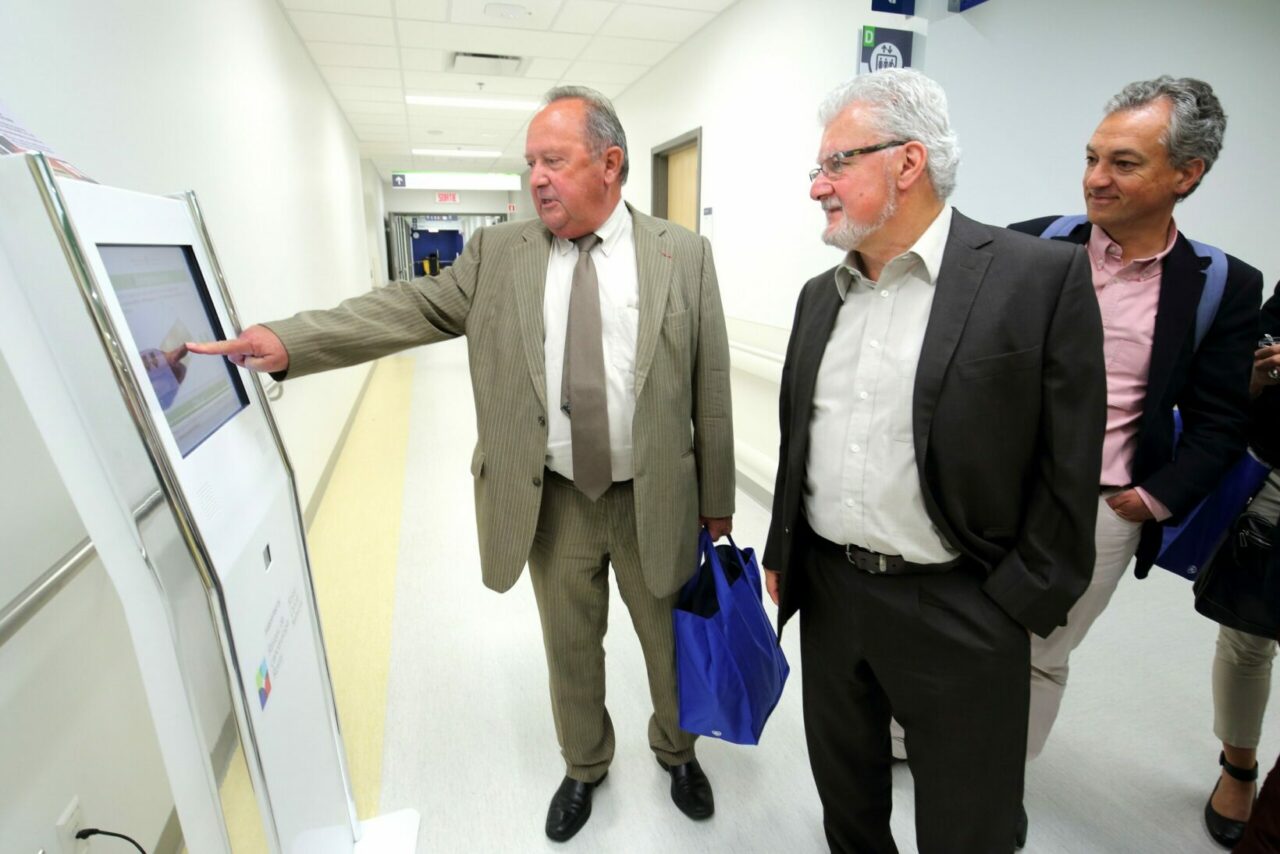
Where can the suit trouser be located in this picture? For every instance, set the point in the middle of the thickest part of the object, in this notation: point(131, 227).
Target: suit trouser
point(941, 656)
point(576, 542)
point(1242, 662)
point(1117, 542)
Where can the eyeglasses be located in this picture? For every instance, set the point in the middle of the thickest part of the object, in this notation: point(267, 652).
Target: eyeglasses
point(834, 164)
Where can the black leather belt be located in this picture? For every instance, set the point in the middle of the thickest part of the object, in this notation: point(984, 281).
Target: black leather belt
point(879, 564)
point(559, 478)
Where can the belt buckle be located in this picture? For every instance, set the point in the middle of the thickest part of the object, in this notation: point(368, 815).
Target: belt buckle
point(881, 563)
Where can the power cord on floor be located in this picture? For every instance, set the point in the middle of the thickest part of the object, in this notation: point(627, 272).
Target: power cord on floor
point(93, 831)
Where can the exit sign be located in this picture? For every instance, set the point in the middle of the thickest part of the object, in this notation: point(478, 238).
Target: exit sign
point(446, 198)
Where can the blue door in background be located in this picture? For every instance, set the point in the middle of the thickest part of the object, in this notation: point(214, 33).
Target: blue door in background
point(446, 245)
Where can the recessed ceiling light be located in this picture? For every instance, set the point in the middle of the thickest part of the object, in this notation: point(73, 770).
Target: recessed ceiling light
point(473, 103)
point(508, 11)
point(455, 152)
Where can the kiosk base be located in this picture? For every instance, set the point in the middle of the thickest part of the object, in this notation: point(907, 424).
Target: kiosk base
point(393, 833)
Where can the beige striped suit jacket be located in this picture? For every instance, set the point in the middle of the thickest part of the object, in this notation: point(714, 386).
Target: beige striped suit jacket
point(682, 433)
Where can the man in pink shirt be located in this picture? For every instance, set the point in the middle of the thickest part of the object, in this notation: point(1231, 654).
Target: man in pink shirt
point(1158, 139)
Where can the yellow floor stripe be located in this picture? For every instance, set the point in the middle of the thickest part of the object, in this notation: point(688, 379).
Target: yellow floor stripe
point(354, 545)
point(355, 542)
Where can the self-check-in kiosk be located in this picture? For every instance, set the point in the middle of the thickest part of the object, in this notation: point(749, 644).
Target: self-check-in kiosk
point(99, 290)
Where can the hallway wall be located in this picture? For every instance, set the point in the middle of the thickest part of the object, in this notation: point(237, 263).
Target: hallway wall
point(223, 99)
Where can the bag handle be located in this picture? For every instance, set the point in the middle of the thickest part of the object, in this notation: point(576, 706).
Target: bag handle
point(707, 547)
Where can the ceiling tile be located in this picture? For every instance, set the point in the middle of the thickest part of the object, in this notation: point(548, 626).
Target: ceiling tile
point(383, 136)
point(544, 69)
point(428, 82)
point(654, 22)
point(603, 72)
point(419, 59)
point(541, 13)
point(500, 40)
point(702, 5)
point(423, 10)
point(582, 16)
point(373, 127)
point(627, 51)
point(358, 117)
point(341, 76)
point(368, 93)
point(377, 147)
point(372, 108)
point(477, 138)
point(437, 118)
point(351, 7)
point(344, 29)
point(354, 55)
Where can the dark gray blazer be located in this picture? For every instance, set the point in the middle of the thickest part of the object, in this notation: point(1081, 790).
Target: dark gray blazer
point(1009, 412)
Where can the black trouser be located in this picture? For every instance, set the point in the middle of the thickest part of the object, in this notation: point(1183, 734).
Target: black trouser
point(938, 654)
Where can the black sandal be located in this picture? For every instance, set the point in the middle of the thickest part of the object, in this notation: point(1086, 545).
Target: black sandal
point(1227, 831)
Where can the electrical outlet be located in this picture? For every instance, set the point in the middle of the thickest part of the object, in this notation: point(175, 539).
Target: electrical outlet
point(69, 824)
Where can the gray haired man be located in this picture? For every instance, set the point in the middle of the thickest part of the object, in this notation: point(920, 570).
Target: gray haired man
point(615, 468)
point(941, 414)
point(1155, 144)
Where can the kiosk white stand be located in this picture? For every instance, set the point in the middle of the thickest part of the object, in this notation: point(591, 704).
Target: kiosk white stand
point(99, 288)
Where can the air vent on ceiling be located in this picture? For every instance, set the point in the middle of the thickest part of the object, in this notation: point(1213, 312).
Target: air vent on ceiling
point(492, 64)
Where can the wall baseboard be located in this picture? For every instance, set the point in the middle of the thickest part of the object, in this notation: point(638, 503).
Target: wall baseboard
point(756, 491)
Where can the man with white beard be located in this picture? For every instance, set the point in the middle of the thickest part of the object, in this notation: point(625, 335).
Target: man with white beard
point(942, 413)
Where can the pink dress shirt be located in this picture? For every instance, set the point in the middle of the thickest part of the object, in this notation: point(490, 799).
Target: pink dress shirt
point(1128, 296)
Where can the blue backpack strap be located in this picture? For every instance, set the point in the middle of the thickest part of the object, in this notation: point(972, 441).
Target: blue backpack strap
point(1215, 282)
point(1063, 225)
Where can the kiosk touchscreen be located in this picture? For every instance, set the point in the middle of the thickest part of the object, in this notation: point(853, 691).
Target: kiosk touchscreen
point(166, 303)
point(150, 283)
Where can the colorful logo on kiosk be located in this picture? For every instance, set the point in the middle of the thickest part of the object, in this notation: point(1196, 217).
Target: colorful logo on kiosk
point(264, 683)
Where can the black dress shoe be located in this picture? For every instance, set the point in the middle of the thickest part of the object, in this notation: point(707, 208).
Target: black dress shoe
point(570, 808)
point(1020, 830)
point(690, 789)
point(1227, 831)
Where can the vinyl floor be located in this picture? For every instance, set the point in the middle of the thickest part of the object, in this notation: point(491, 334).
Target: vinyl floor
point(466, 735)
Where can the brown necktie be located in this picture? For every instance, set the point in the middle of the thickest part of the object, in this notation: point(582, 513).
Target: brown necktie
point(582, 394)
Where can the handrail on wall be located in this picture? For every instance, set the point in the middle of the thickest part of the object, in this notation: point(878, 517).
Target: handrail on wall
point(40, 592)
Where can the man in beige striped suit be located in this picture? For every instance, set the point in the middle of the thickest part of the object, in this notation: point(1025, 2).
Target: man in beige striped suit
point(643, 419)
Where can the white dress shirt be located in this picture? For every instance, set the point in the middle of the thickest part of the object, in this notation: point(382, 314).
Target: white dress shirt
point(615, 262)
point(861, 482)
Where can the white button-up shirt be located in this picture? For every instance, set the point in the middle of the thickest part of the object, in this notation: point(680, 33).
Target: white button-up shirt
point(615, 262)
point(861, 482)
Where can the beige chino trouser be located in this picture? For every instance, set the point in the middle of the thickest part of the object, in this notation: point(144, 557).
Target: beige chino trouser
point(576, 542)
point(1117, 542)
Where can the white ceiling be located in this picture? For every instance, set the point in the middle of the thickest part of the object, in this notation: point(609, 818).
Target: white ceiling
point(373, 53)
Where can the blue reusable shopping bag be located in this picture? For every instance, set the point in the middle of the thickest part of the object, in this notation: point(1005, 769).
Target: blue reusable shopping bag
point(1186, 548)
point(729, 666)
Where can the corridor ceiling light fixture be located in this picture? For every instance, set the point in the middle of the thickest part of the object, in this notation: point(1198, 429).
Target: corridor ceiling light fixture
point(473, 103)
point(455, 152)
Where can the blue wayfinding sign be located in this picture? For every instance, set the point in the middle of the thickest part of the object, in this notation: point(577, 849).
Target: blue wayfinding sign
point(900, 7)
point(961, 5)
